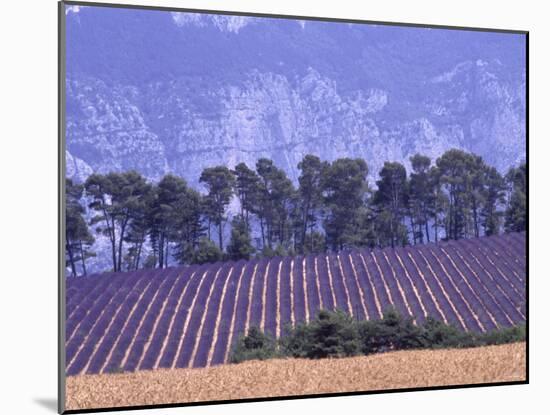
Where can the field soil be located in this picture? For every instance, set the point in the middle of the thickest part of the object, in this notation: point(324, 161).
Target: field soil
point(285, 377)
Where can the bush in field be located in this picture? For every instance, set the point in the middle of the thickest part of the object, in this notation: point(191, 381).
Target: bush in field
point(254, 346)
point(295, 341)
point(336, 334)
point(440, 335)
point(206, 252)
point(502, 336)
point(392, 332)
point(330, 334)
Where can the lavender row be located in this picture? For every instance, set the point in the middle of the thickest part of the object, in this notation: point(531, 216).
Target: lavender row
point(192, 317)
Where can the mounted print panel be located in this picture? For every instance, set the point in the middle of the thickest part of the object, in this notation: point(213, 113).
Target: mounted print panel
point(265, 206)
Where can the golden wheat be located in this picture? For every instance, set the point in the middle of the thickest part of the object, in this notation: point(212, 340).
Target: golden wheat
point(285, 377)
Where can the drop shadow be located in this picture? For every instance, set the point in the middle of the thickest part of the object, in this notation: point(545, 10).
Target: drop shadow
point(48, 403)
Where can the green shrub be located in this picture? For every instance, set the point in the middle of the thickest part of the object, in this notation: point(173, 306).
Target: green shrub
point(115, 370)
point(330, 334)
point(392, 332)
point(336, 334)
point(254, 346)
point(206, 252)
point(294, 342)
point(502, 336)
point(439, 335)
point(278, 251)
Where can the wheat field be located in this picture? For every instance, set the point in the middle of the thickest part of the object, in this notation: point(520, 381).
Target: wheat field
point(286, 377)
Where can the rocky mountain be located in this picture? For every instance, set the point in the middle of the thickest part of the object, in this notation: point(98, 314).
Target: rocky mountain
point(177, 92)
point(158, 92)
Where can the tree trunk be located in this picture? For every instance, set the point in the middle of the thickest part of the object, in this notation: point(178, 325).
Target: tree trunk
point(220, 235)
point(269, 229)
point(427, 228)
point(112, 235)
point(138, 255)
point(452, 219)
point(412, 228)
point(161, 250)
point(263, 232)
point(282, 234)
point(71, 258)
point(83, 259)
point(121, 239)
point(304, 231)
point(391, 232)
point(476, 226)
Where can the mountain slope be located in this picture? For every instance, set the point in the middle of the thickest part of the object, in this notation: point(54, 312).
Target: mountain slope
point(158, 92)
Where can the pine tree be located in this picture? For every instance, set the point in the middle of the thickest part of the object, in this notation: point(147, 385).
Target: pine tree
point(220, 183)
point(453, 168)
point(164, 215)
point(493, 198)
point(240, 245)
point(247, 188)
point(344, 193)
point(516, 212)
point(188, 225)
point(439, 202)
point(310, 196)
point(117, 198)
point(78, 238)
point(421, 197)
point(475, 193)
point(274, 205)
point(391, 200)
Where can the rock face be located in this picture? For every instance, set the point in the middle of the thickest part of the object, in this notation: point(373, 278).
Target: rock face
point(158, 92)
point(163, 92)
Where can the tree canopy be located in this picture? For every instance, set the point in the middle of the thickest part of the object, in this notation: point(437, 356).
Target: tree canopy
point(331, 208)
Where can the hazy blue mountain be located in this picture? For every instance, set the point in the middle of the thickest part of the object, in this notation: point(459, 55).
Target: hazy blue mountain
point(169, 92)
point(158, 91)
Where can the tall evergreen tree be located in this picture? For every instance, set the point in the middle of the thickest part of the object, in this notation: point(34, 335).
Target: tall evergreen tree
point(439, 201)
point(516, 212)
point(344, 193)
point(118, 198)
point(240, 245)
point(475, 193)
point(247, 188)
point(391, 198)
point(493, 198)
point(310, 194)
point(421, 197)
point(453, 168)
point(136, 238)
point(274, 206)
point(220, 183)
point(78, 238)
point(164, 215)
point(188, 225)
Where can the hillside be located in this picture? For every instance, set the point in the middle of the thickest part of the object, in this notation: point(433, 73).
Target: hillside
point(172, 92)
point(257, 379)
point(191, 316)
point(162, 92)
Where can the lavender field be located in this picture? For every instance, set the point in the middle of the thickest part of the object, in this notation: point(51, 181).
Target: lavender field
point(182, 317)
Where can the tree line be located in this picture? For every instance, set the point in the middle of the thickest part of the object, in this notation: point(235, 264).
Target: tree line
point(332, 208)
